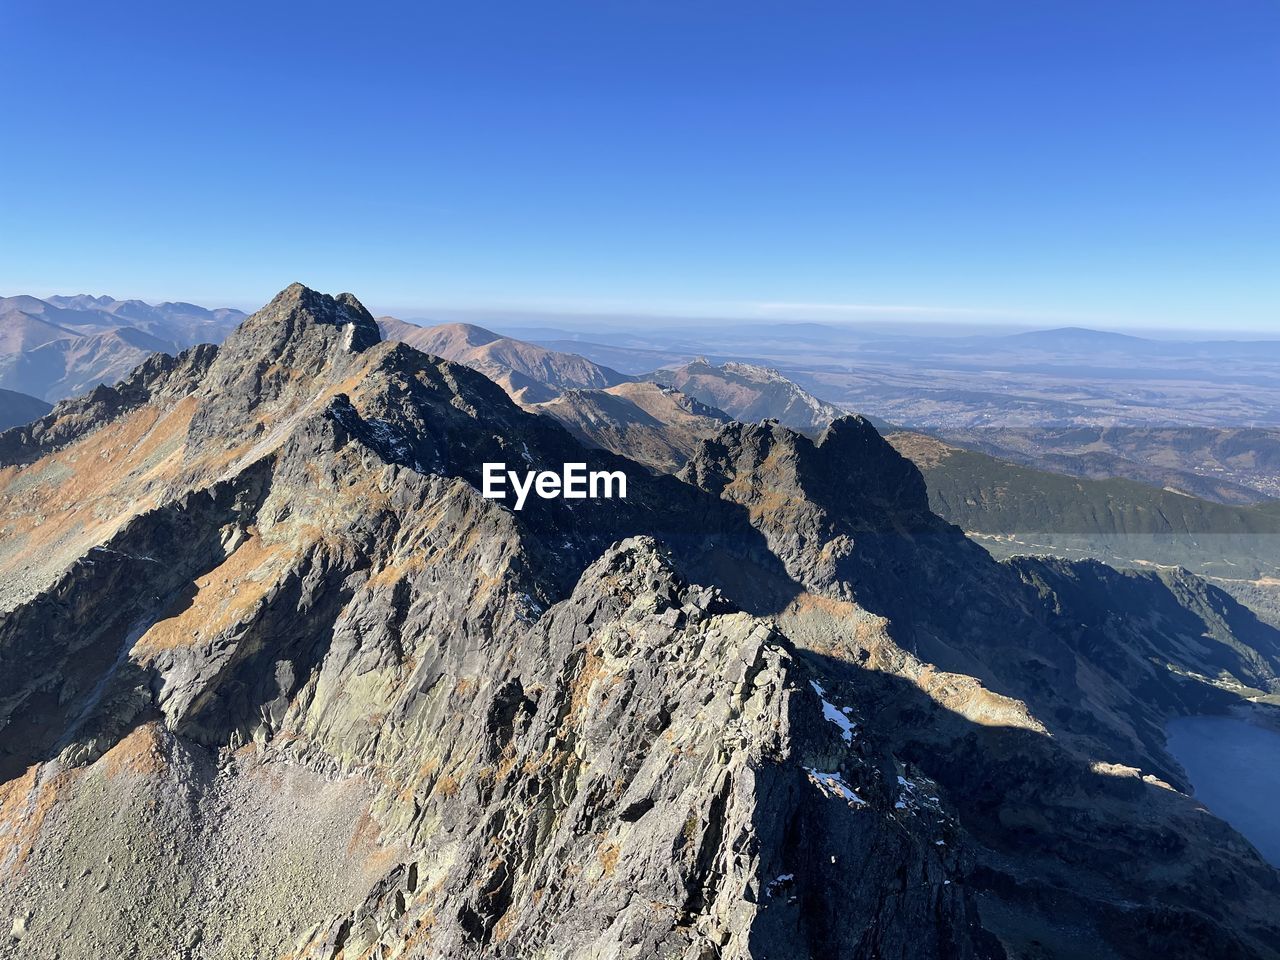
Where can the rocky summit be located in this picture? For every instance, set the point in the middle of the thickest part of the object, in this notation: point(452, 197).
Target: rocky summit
point(277, 681)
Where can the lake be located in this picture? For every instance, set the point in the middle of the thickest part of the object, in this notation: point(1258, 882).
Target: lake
point(1234, 766)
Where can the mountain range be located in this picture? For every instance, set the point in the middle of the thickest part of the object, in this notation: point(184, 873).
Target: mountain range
point(994, 483)
point(528, 372)
point(62, 346)
point(1011, 508)
point(1196, 416)
point(276, 680)
point(1168, 412)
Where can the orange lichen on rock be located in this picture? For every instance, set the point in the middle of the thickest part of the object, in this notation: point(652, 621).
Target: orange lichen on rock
point(365, 833)
point(592, 671)
point(139, 754)
point(608, 856)
point(25, 802)
point(447, 785)
point(52, 511)
point(394, 572)
point(224, 597)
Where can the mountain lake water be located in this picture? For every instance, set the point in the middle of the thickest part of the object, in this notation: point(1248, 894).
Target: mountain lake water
point(1234, 766)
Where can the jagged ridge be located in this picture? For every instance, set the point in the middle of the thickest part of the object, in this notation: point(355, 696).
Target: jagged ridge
point(297, 578)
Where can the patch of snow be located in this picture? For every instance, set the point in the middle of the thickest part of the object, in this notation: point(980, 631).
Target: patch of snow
point(121, 553)
point(395, 446)
point(834, 785)
point(913, 796)
point(832, 713)
point(779, 884)
point(530, 610)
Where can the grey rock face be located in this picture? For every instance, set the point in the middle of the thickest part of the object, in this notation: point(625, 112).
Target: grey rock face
point(623, 794)
point(339, 705)
point(652, 424)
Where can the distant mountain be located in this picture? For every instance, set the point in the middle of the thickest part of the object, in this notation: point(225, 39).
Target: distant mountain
point(750, 393)
point(1083, 342)
point(633, 360)
point(1073, 338)
point(64, 318)
point(21, 331)
point(656, 425)
point(60, 346)
point(529, 373)
point(1071, 345)
point(1017, 509)
point(171, 320)
point(1228, 464)
point(19, 408)
point(64, 368)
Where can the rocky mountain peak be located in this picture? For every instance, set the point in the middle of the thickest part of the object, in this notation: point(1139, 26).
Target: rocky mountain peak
point(301, 327)
point(750, 392)
point(851, 472)
point(299, 339)
point(853, 448)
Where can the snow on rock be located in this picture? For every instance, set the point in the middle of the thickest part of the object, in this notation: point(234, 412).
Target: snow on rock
point(916, 794)
point(779, 884)
point(834, 714)
point(834, 785)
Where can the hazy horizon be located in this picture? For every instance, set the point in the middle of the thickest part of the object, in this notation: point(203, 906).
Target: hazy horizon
point(893, 320)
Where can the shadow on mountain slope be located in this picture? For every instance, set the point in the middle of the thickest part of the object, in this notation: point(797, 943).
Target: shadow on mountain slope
point(313, 580)
point(1069, 860)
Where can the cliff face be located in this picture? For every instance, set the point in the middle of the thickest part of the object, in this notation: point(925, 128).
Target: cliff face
point(651, 774)
point(276, 681)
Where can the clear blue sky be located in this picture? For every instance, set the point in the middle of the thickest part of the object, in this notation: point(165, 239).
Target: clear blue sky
point(1112, 162)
